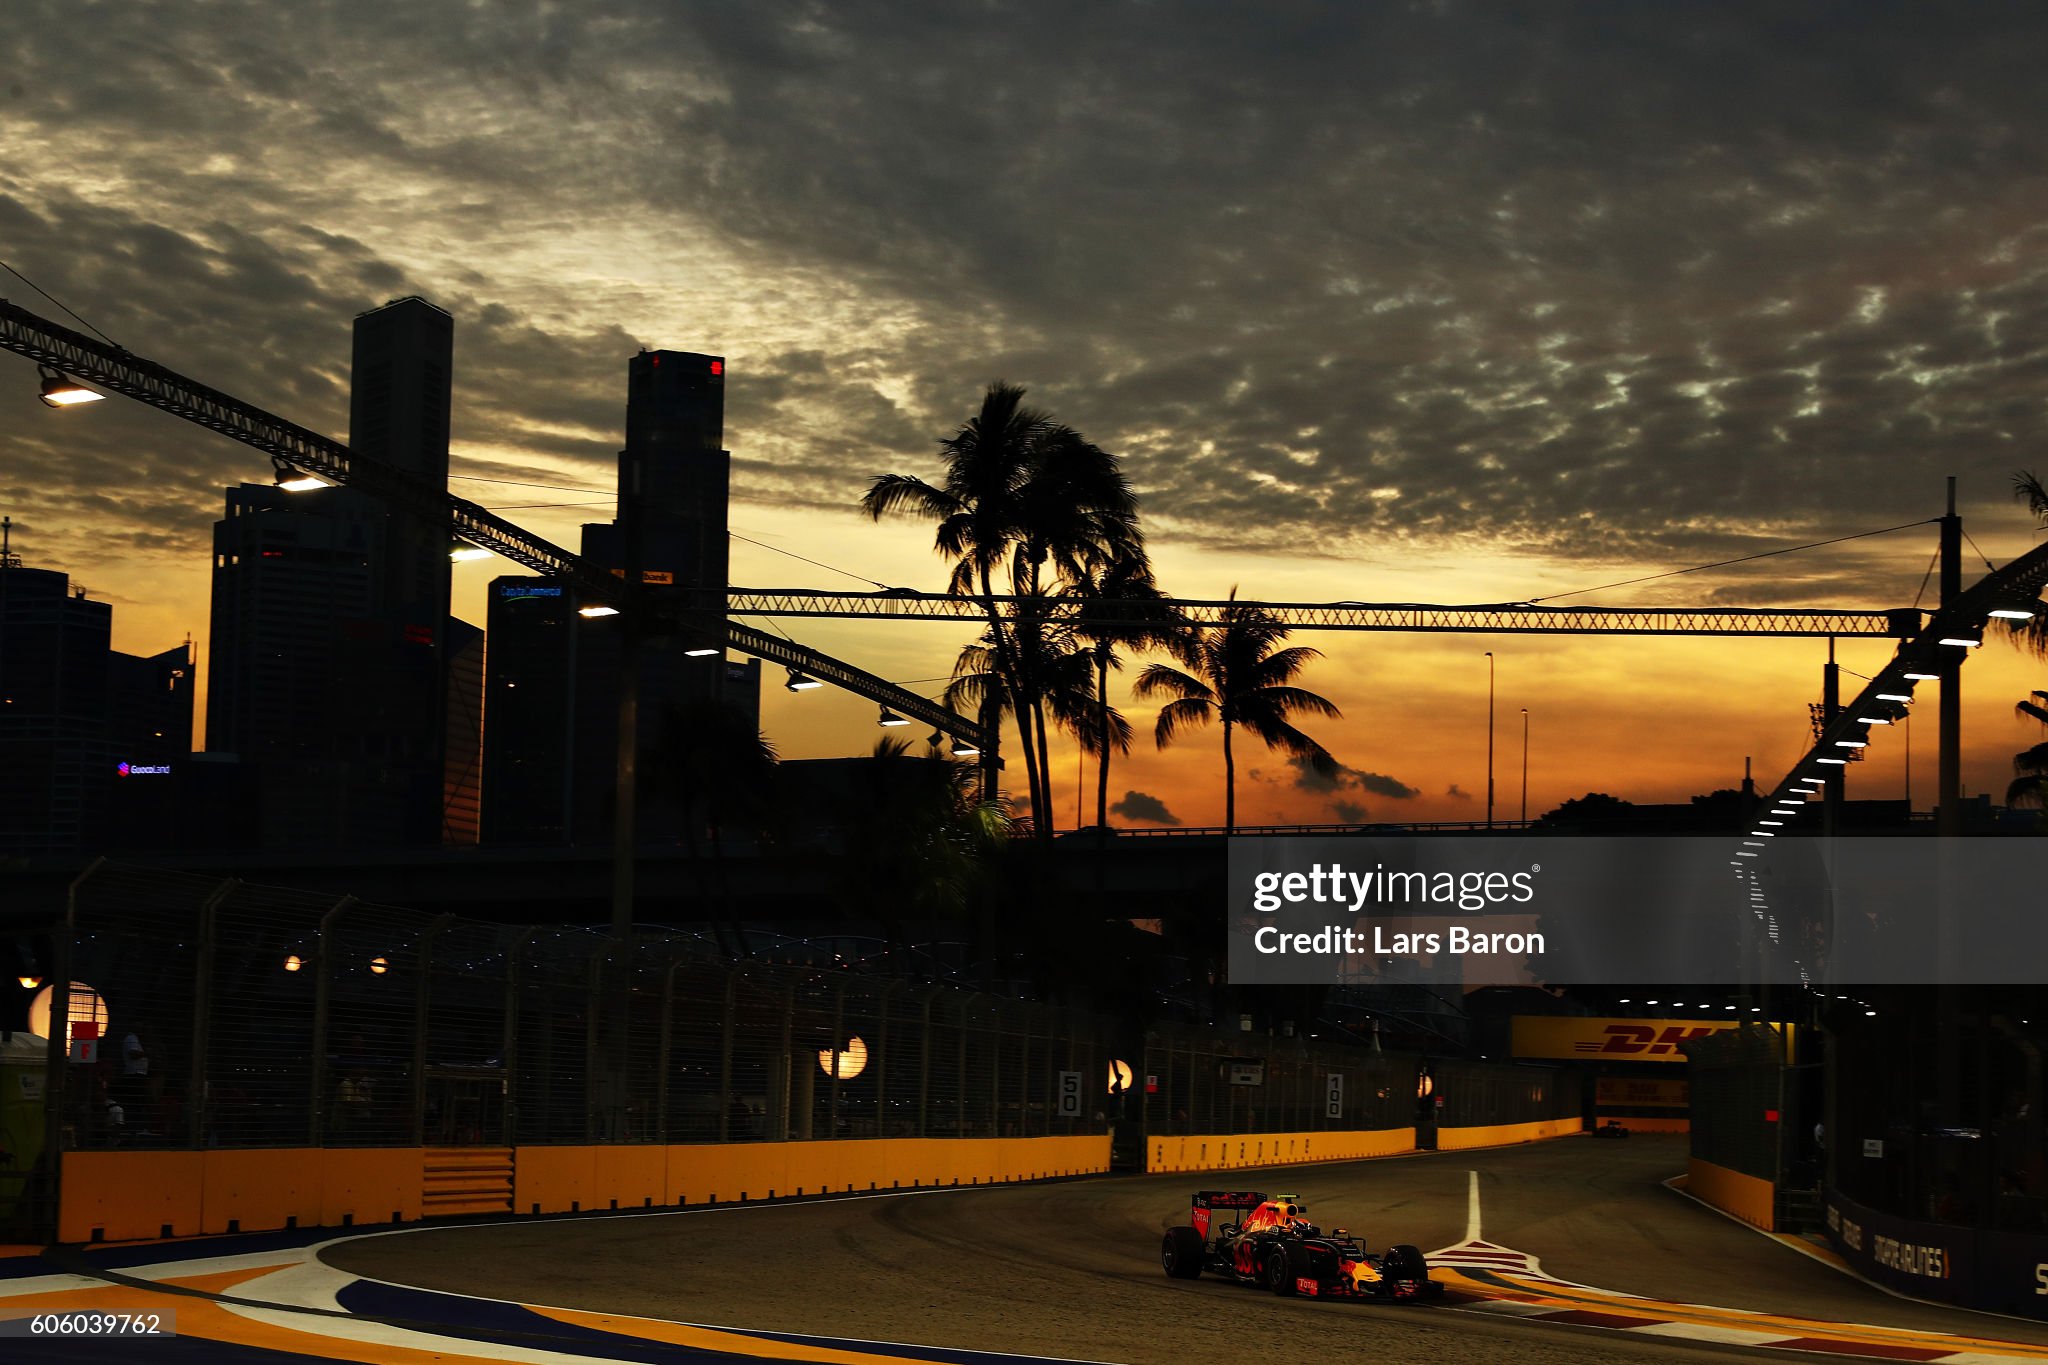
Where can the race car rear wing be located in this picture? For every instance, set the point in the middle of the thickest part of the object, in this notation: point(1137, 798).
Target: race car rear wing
point(1206, 1200)
point(1228, 1199)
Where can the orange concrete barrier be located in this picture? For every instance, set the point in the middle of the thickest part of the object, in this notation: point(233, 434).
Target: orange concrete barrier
point(1747, 1197)
point(125, 1196)
point(1227, 1151)
point(130, 1195)
point(1505, 1134)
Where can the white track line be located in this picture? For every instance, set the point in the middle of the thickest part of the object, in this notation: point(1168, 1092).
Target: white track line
point(1472, 1208)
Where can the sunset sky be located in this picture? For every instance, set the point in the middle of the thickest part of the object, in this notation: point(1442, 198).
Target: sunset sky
point(1435, 302)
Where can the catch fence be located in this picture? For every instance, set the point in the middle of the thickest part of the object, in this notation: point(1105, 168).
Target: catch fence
point(269, 1017)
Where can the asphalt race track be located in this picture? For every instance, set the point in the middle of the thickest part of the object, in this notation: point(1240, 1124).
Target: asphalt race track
point(1071, 1270)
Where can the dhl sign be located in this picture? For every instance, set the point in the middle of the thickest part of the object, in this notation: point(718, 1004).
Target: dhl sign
point(1617, 1040)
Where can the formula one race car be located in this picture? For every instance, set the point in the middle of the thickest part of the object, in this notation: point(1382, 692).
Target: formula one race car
point(1611, 1129)
point(1276, 1246)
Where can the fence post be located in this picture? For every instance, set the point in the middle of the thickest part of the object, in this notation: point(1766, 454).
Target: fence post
point(316, 1101)
point(960, 1104)
point(420, 1006)
point(57, 1059)
point(1023, 1079)
point(785, 1064)
point(668, 1007)
point(924, 1060)
point(202, 1016)
point(880, 1054)
point(996, 1069)
point(725, 1095)
point(838, 1048)
point(508, 1054)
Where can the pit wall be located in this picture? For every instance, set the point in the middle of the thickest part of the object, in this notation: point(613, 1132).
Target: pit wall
point(1741, 1196)
point(130, 1195)
point(1228, 1151)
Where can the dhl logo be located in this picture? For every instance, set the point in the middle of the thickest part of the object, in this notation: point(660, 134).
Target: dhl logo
point(1643, 1039)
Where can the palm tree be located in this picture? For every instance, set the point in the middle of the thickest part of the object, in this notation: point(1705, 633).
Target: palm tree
point(1138, 619)
point(1238, 676)
point(1028, 498)
point(1064, 668)
point(920, 846)
point(2029, 489)
point(2030, 787)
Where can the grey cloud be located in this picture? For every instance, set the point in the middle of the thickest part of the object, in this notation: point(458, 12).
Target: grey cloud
point(1457, 793)
point(1145, 808)
point(1350, 812)
point(1307, 779)
point(1546, 272)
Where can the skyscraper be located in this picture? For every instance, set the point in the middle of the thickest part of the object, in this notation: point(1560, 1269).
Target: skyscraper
point(330, 628)
point(551, 722)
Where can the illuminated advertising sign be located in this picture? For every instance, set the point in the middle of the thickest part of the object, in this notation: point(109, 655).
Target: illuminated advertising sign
point(517, 590)
point(143, 769)
point(1610, 1040)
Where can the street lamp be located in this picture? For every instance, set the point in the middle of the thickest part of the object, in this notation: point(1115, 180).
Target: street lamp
point(1489, 739)
point(292, 479)
point(1525, 765)
point(59, 392)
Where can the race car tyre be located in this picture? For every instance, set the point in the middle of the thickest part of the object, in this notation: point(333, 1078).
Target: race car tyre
point(1403, 1262)
point(1180, 1253)
point(1283, 1264)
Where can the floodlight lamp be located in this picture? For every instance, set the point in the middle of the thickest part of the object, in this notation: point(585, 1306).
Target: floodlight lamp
point(1960, 641)
point(890, 720)
point(702, 652)
point(1838, 762)
point(59, 392)
point(800, 681)
point(292, 479)
point(1922, 677)
point(460, 553)
point(962, 749)
point(596, 610)
point(1902, 698)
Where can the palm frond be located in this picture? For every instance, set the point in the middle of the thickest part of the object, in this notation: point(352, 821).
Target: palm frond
point(1164, 680)
point(1185, 714)
point(907, 494)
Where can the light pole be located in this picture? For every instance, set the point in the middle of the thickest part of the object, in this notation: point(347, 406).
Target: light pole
point(1525, 765)
point(1489, 739)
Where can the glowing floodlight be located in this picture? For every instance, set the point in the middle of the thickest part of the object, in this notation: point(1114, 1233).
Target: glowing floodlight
point(845, 1065)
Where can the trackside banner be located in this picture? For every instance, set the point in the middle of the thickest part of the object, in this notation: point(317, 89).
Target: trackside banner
point(1575, 1038)
point(1526, 909)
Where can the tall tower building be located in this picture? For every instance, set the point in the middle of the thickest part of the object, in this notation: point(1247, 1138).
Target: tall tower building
point(675, 476)
point(400, 380)
point(551, 721)
point(331, 635)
